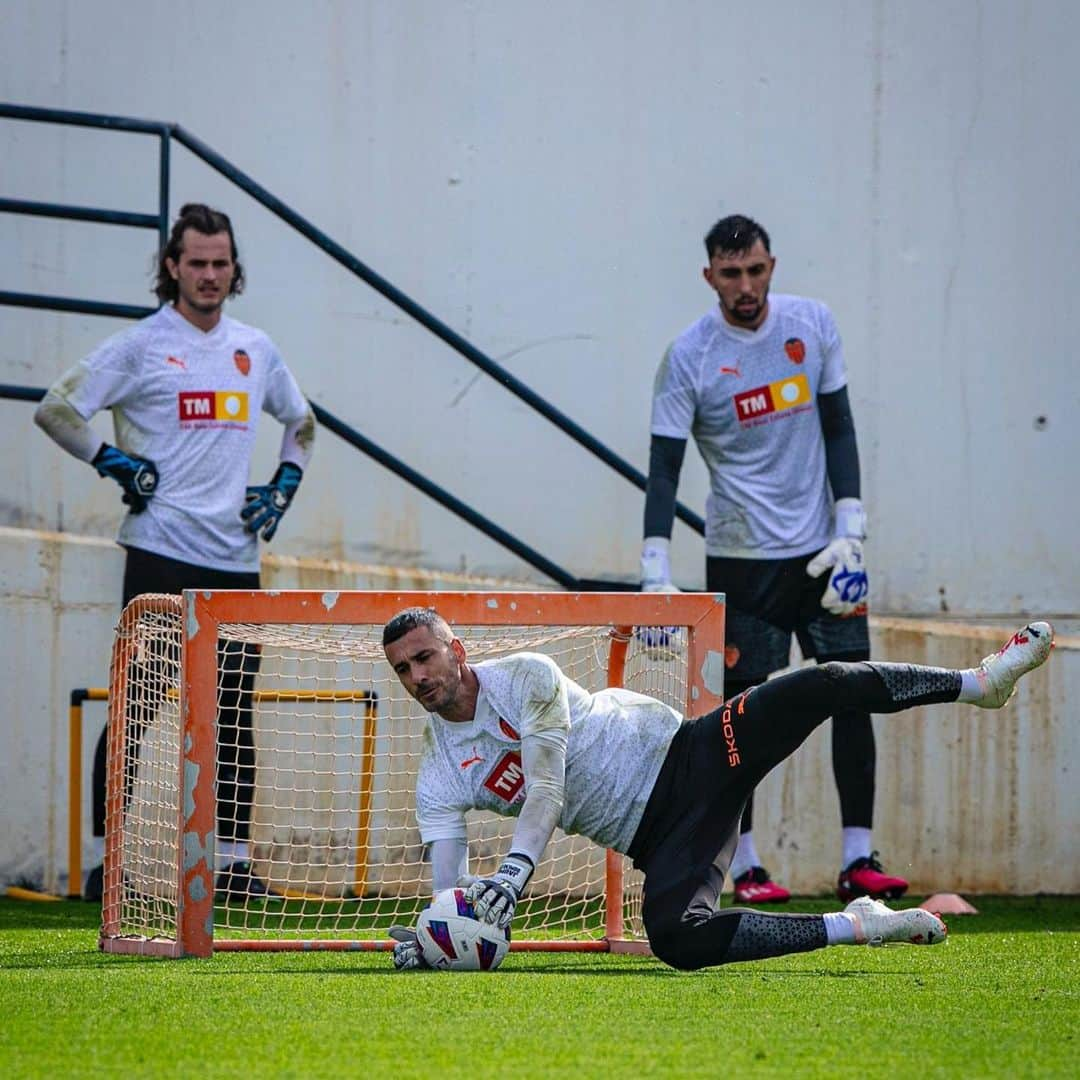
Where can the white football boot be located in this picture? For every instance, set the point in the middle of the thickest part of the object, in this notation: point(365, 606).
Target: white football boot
point(998, 674)
point(876, 924)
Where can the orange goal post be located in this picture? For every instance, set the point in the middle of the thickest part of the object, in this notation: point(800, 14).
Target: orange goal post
point(335, 743)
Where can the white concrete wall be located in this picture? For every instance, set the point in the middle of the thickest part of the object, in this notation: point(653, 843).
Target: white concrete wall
point(967, 800)
point(541, 178)
point(972, 801)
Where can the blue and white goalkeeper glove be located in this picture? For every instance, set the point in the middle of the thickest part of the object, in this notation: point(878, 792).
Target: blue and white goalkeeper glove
point(266, 504)
point(495, 898)
point(137, 476)
point(843, 558)
point(408, 955)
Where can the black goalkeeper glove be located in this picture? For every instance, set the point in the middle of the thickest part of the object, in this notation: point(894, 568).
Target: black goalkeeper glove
point(267, 503)
point(137, 476)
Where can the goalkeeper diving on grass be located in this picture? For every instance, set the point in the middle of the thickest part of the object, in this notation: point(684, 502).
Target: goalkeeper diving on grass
point(515, 736)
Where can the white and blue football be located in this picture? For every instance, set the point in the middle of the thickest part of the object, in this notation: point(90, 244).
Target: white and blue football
point(453, 939)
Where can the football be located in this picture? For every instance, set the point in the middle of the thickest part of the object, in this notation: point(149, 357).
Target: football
point(453, 939)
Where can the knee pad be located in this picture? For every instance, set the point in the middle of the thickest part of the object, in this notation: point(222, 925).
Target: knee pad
point(676, 951)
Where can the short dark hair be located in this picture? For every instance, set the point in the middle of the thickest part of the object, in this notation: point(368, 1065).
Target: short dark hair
point(203, 219)
point(410, 619)
point(735, 233)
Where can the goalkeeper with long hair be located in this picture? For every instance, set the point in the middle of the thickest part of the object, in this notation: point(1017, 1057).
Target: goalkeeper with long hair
point(186, 386)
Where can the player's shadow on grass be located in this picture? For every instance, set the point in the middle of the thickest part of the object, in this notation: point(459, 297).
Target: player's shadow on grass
point(744, 971)
point(581, 970)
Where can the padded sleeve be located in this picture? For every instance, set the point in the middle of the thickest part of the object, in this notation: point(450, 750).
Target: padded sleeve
point(67, 428)
point(298, 440)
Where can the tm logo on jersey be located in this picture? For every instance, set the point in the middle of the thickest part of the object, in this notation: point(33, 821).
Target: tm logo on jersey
point(507, 779)
point(212, 408)
point(760, 404)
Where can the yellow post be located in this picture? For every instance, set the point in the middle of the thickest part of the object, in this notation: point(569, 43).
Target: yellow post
point(75, 734)
point(75, 795)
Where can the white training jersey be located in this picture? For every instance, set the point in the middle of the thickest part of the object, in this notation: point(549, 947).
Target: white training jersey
point(749, 398)
point(616, 743)
point(188, 401)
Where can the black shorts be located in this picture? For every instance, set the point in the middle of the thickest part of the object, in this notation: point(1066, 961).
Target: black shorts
point(712, 767)
point(146, 572)
point(689, 830)
point(768, 600)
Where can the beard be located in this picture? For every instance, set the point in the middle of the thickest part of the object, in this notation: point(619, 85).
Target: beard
point(747, 315)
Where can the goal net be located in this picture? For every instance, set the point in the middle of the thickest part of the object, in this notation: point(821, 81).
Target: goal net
point(274, 718)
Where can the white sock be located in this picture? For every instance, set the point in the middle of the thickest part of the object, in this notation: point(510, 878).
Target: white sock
point(98, 844)
point(226, 852)
point(839, 928)
point(746, 856)
point(856, 845)
point(972, 685)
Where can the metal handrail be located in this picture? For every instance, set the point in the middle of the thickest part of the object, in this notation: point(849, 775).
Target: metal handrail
point(73, 305)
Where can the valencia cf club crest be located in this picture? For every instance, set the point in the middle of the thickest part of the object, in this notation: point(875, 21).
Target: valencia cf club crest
point(243, 361)
point(795, 349)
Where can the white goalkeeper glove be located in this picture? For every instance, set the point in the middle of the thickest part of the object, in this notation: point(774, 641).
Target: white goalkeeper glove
point(494, 898)
point(407, 953)
point(656, 577)
point(656, 565)
point(843, 558)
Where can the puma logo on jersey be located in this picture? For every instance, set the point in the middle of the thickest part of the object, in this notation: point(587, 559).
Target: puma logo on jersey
point(508, 730)
point(507, 779)
point(732, 370)
point(476, 759)
point(176, 362)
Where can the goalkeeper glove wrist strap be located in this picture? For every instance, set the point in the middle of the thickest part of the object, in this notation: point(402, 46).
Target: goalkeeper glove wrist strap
point(850, 519)
point(515, 871)
point(655, 562)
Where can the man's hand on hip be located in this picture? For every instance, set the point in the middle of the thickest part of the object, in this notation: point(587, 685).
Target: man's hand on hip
point(137, 476)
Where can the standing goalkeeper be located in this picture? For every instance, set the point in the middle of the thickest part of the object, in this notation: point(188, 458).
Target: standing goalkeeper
point(186, 387)
point(760, 383)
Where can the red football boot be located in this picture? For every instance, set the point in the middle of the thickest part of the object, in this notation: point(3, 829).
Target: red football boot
point(756, 887)
point(867, 877)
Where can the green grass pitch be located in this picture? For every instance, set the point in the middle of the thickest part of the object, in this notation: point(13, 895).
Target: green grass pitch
point(1000, 998)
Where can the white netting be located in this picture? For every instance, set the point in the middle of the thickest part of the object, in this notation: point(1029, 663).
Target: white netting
point(328, 782)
